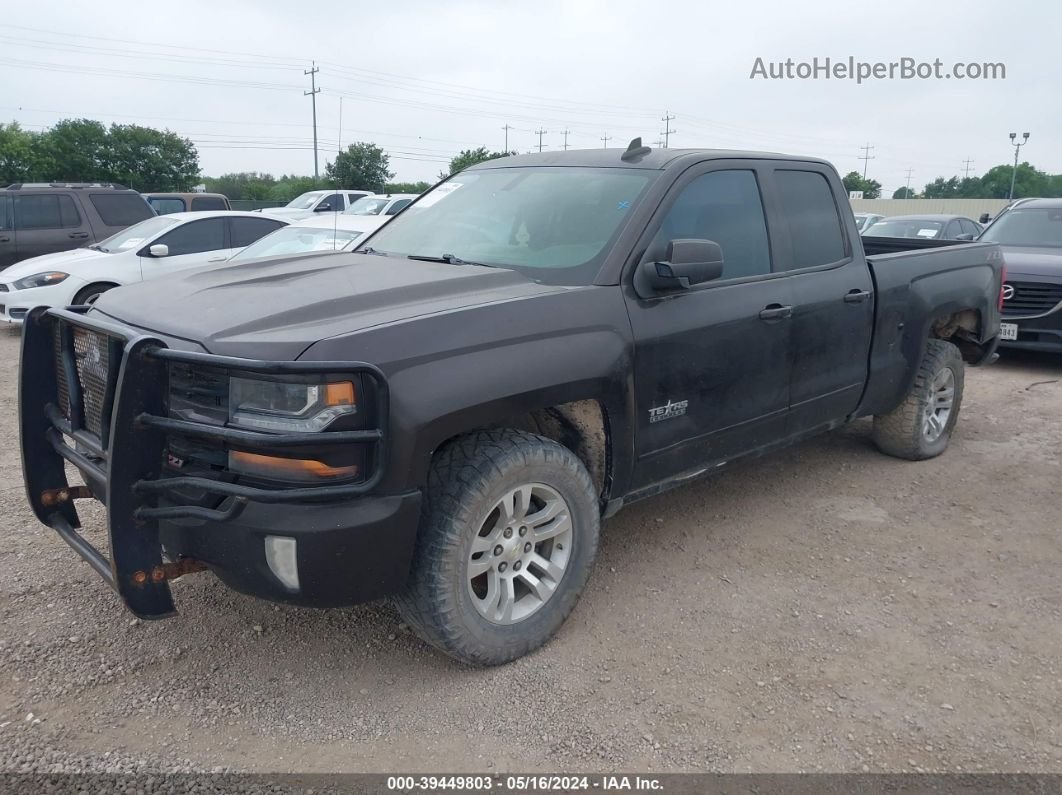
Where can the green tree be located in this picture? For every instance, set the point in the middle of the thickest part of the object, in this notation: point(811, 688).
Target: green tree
point(18, 154)
point(971, 188)
point(406, 187)
point(1028, 181)
point(853, 181)
point(74, 150)
point(942, 188)
point(903, 193)
point(362, 165)
point(149, 160)
point(291, 185)
point(469, 157)
point(242, 185)
point(1054, 186)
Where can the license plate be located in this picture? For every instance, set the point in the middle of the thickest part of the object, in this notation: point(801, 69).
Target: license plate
point(1008, 331)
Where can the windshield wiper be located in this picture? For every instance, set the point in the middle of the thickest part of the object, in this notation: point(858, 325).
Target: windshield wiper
point(371, 250)
point(449, 259)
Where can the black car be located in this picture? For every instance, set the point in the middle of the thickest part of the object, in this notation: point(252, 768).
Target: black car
point(1031, 237)
point(925, 227)
point(46, 217)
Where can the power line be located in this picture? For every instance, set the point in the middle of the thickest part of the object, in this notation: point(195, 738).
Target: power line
point(312, 93)
point(540, 133)
point(866, 157)
point(668, 132)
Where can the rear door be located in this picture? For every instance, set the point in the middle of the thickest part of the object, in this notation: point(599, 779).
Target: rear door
point(191, 245)
point(833, 297)
point(712, 362)
point(48, 222)
point(116, 210)
point(8, 253)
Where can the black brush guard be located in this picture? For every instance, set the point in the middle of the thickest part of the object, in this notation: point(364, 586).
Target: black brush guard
point(124, 460)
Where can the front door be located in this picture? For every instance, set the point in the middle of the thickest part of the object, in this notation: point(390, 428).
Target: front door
point(712, 362)
point(8, 254)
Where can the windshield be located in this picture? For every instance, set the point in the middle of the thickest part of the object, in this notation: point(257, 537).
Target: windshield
point(1030, 227)
point(905, 228)
point(298, 240)
point(305, 201)
point(554, 224)
point(136, 234)
point(368, 205)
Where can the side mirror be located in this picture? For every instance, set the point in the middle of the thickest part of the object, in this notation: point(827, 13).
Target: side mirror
point(159, 250)
point(985, 218)
point(688, 262)
point(965, 236)
point(322, 208)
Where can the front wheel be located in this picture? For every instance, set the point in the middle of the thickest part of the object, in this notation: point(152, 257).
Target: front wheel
point(921, 426)
point(508, 535)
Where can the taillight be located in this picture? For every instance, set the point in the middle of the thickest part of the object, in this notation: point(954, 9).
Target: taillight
point(1002, 283)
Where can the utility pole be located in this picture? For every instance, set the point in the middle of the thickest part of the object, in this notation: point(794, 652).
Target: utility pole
point(339, 147)
point(606, 138)
point(659, 144)
point(668, 132)
point(1017, 148)
point(866, 157)
point(312, 93)
point(966, 168)
point(507, 127)
point(540, 133)
point(566, 133)
point(907, 194)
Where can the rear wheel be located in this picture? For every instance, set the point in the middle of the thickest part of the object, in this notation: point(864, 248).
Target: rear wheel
point(88, 295)
point(921, 426)
point(508, 535)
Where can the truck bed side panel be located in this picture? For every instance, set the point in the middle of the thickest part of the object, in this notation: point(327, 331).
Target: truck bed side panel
point(913, 289)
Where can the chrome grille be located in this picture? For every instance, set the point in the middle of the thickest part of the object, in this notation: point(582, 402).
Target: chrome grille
point(1032, 298)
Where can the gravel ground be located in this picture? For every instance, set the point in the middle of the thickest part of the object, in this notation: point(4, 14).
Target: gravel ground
point(824, 609)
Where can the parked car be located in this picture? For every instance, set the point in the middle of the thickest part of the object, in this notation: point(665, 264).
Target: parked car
point(865, 220)
point(319, 201)
point(448, 413)
point(45, 217)
point(1031, 237)
point(336, 232)
point(155, 247)
point(381, 205)
point(927, 227)
point(166, 203)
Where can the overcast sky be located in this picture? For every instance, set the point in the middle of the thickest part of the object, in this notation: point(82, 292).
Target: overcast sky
point(426, 79)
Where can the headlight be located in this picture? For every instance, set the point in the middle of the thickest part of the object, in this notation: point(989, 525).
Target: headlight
point(289, 407)
point(40, 280)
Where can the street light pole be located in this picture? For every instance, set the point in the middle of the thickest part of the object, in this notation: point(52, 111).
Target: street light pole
point(1017, 148)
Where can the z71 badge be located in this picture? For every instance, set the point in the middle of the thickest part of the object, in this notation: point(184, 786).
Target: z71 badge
point(668, 412)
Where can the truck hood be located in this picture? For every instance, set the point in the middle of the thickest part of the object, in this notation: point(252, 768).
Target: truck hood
point(1036, 262)
point(69, 261)
point(276, 309)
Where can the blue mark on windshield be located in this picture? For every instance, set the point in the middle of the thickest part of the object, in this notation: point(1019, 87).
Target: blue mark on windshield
point(624, 205)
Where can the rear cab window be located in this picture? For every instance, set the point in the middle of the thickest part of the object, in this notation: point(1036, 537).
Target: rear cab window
point(205, 203)
point(809, 212)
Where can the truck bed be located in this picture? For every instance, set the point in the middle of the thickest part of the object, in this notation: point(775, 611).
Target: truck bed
point(914, 288)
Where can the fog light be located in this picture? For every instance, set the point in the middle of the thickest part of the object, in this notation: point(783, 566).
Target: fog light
point(281, 556)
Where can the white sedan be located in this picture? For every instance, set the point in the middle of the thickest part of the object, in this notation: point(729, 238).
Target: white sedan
point(337, 232)
point(151, 248)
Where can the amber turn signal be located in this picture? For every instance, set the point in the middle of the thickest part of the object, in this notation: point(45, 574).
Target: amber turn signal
point(287, 468)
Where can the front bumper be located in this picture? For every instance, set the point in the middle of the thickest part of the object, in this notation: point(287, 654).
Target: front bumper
point(110, 421)
point(16, 304)
point(1040, 333)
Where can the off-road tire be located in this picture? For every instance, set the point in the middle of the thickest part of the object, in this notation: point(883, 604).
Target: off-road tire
point(467, 477)
point(900, 433)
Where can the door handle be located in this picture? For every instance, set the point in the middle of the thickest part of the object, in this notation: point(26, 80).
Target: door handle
point(856, 296)
point(5, 239)
point(78, 235)
point(217, 259)
point(776, 312)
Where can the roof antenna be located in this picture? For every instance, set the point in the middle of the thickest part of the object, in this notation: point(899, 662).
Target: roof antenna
point(635, 151)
